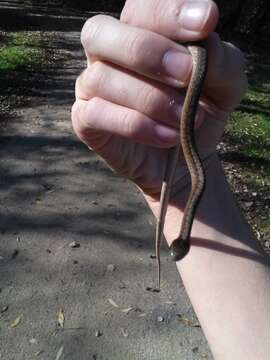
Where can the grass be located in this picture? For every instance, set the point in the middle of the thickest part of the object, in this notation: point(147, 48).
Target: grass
point(248, 137)
point(20, 51)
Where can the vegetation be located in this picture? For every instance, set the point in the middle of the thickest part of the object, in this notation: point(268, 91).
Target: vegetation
point(248, 139)
point(20, 51)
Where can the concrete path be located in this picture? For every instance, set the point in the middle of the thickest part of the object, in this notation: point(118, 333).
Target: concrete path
point(54, 192)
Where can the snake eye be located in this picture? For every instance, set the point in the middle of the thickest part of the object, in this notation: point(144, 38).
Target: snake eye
point(179, 249)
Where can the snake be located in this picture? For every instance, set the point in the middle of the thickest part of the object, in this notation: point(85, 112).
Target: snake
point(180, 246)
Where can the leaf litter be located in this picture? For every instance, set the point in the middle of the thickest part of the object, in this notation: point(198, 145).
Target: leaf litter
point(61, 319)
point(17, 321)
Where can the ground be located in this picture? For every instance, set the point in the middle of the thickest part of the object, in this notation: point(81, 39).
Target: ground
point(76, 240)
point(55, 192)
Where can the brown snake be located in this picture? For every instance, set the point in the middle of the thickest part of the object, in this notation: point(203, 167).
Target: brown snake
point(181, 245)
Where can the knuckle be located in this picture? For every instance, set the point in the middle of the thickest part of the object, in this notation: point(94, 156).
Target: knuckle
point(95, 77)
point(127, 11)
point(90, 82)
point(131, 124)
point(83, 115)
point(93, 107)
point(136, 46)
point(91, 28)
point(75, 116)
point(151, 99)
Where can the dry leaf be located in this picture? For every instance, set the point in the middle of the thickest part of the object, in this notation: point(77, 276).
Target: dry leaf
point(17, 321)
point(127, 310)
point(170, 303)
point(142, 315)
point(59, 353)
point(36, 354)
point(187, 321)
point(124, 332)
point(74, 245)
point(98, 333)
point(113, 303)
point(184, 319)
point(61, 318)
point(4, 309)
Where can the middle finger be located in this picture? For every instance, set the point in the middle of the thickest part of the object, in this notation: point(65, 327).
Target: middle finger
point(157, 101)
point(141, 51)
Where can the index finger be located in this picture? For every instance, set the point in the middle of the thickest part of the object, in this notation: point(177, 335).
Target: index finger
point(180, 20)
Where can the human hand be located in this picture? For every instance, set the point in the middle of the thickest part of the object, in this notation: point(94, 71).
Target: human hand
point(129, 98)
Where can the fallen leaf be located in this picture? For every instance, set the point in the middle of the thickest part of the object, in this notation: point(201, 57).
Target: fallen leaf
point(36, 354)
point(98, 333)
point(74, 245)
point(59, 353)
point(127, 310)
point(61, 318)
point(142, 315)
point(4, 309)
point(187, 321)
point(113, 303)
point(17, 321)
point(124, 332)
point(170, 303)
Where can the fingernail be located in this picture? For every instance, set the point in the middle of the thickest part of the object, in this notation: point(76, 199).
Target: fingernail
point(177, 64)
point(194, 14)
point(166, 134)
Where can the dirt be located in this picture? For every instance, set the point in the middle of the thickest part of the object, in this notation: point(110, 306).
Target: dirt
point(89, 300)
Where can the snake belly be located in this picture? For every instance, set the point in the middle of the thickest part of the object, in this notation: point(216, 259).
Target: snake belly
point(181, 245)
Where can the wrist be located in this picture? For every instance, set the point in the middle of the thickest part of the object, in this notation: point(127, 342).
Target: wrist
point(179, 196)
point(217, 220)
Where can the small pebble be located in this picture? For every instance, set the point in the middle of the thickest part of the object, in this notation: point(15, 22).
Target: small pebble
point(160, 319)
point(33, 341)
point(111, 267)
point(98, 333)
point(75, 262)
point(74, 245)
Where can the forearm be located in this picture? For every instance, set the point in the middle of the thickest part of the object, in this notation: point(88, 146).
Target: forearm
point(226, 274)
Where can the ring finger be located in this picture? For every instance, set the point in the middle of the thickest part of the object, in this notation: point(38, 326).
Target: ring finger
point(159, 102)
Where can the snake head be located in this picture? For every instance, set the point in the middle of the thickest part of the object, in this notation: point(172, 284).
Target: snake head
point(179, 249)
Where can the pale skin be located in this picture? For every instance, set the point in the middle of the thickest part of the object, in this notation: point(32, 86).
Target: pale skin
point(127, 109)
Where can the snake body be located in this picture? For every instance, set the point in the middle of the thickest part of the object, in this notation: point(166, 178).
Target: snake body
point(181, 245)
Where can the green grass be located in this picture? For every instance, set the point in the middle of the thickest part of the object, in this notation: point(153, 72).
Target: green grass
point(252, 134)
point(20, 51)
point(248, 134)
